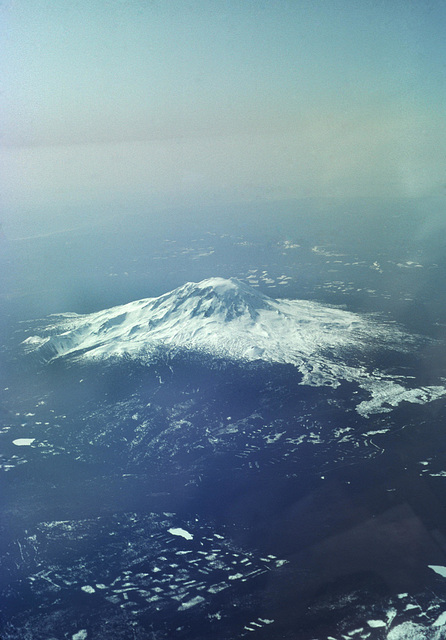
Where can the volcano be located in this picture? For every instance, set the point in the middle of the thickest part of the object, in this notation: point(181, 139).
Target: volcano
point(226, 318)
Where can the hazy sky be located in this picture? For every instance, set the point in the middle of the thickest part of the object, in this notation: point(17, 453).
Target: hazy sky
point(173, 100)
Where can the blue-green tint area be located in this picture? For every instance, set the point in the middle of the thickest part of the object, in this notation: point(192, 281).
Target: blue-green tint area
point(199, 102)
point(222, 319)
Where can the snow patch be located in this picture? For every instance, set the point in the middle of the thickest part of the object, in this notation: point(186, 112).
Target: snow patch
point(191, 603)
point(408, 631)
point(438, 569)
point(88, 589)
point(178, 531)
point(376, 623)
point(23, 442)
point(440, 621)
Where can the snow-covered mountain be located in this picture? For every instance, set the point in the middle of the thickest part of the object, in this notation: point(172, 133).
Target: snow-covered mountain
point(227, 318)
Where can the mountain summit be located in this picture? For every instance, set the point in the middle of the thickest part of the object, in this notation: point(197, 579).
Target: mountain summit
point(226, 318)
point(225, 299)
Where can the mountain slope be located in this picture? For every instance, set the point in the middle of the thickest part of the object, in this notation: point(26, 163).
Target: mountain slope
point(228, 319)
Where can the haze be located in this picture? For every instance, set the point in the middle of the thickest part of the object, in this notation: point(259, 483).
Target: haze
point(192, 103)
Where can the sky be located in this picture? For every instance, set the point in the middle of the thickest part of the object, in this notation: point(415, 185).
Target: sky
point(190, 101)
